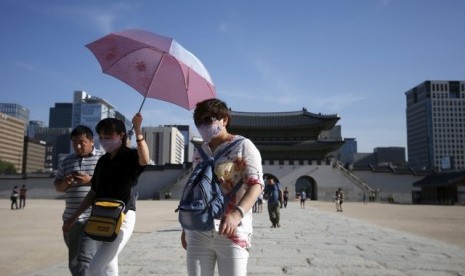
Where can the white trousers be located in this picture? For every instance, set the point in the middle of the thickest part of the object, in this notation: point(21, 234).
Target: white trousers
point(105, 260)
point(206, 248)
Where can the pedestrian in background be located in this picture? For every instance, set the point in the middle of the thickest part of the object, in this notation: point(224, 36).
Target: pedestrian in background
point(285, 196)
point(303, 197)
point(14, 198)
point(260, 203)
point(22, 197)
point(339, 199)
point(272, 190)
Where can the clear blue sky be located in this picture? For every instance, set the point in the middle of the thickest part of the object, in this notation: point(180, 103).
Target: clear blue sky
point(351, 58)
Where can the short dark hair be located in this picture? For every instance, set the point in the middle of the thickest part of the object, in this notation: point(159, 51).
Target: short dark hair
point(110, 126)
point(81, 129)
point(217, 108)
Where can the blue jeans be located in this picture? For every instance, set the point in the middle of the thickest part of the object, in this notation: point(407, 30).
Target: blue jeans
point(81, 249)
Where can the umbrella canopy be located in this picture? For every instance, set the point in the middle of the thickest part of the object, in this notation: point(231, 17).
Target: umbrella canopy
point(155, 66)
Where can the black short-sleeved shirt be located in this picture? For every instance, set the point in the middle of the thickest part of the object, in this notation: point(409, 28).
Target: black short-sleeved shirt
point(116, 178)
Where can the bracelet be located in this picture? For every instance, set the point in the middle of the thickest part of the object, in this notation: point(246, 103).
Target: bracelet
point(139, 140)
point(241, 211)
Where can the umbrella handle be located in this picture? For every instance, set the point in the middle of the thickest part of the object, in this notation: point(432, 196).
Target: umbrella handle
point(131, 131)
point(142, 104)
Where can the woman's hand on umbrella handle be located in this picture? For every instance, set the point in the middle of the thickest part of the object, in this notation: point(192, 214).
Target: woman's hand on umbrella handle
point(137, 122)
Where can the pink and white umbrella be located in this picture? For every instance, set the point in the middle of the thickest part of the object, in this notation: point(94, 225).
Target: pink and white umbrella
point(155, 66)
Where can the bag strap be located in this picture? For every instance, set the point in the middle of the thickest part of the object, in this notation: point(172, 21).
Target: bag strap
point(227, 148)
point(235, 189)
point(220, 153)
point(203, 155)
point(239, 184)
point(216, 157)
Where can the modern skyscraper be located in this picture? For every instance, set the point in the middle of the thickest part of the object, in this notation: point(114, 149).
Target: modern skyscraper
point(127, 122)
point(436, 125)
point(32, 126)
point(61, 115)
point(89, 110)
point(15, 110)
point(346, 153)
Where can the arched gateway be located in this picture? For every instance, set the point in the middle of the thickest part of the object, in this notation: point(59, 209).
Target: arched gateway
point(307, 184)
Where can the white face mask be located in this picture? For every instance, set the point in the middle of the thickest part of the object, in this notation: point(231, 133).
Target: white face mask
point(110, 145)
point(208, 132)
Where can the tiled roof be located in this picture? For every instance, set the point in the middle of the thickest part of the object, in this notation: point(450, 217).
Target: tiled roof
point(296, 119)
point(300, 150)
point(442, 179)
point(299, 144)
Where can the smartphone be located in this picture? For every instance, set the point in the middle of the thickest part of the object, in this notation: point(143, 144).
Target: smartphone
point(216, 223)
point(74, 174)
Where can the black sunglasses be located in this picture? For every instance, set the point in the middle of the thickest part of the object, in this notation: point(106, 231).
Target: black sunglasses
point(207, 120)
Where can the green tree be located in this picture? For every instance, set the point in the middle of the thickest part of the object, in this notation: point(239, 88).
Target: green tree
point(7, 167)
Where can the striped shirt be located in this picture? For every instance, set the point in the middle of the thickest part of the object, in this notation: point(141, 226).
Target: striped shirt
point(76, 193)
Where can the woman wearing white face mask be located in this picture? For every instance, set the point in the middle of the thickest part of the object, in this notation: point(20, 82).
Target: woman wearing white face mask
point(115, 177)
point(242, 165)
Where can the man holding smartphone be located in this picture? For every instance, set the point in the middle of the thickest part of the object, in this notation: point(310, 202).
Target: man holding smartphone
point(73, 178)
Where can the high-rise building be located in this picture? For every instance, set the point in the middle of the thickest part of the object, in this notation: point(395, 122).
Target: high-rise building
point(61, 115)
point(12, 137)
point(165, 143)
point(34, 156)
point(89, 110)
point(127, 123)
point(32, 126)
point(58, 144)
point(15, 110)
point(436, 125)
point(84, 110)
point(393, 156)
point(346, 153)
point(188, 147)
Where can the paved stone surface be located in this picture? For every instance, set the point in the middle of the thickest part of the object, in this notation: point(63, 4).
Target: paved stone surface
point(309, 242)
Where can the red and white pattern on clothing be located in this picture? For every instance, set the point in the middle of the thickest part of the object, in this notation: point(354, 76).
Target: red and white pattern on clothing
point(242, 163)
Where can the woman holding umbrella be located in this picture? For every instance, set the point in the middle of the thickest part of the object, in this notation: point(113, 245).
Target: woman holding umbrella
point(227, 246)
point(115, 177)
